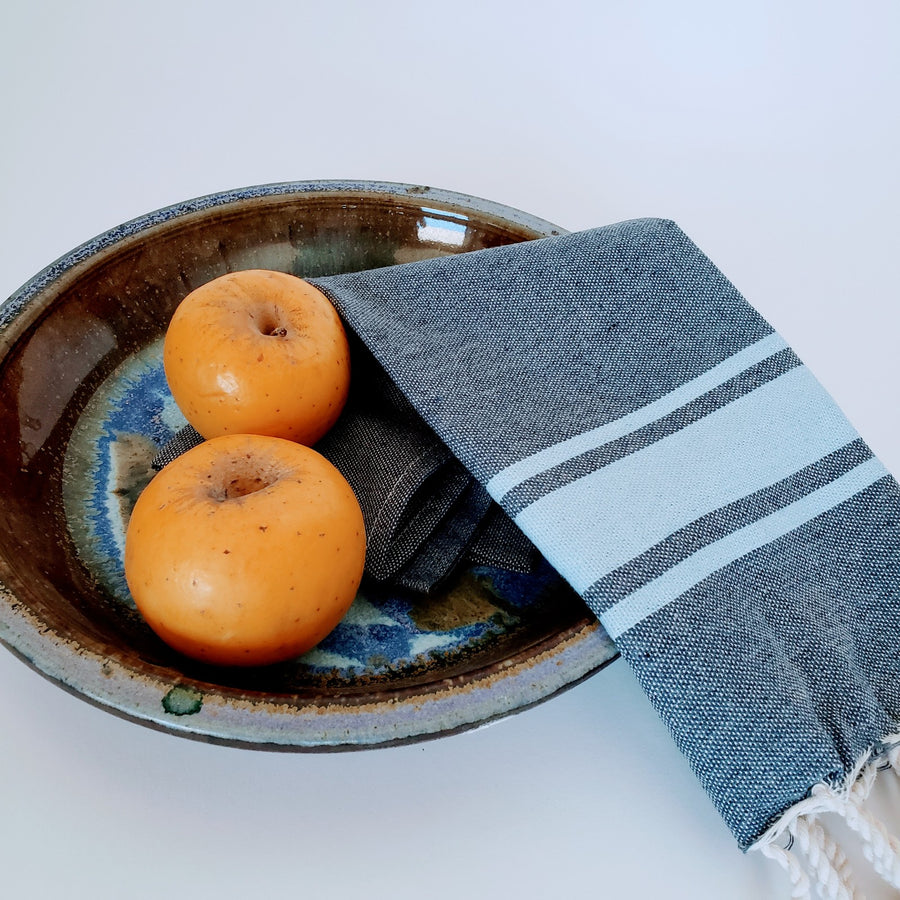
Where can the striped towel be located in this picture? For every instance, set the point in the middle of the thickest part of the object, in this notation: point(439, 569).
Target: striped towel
point(677, 463)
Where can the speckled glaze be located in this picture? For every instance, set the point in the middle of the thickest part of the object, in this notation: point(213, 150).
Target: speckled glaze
point(83, 408)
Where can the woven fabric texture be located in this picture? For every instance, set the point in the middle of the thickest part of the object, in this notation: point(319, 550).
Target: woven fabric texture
point(678, 464)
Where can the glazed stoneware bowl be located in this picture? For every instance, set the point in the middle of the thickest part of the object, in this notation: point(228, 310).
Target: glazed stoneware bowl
point(84, 407)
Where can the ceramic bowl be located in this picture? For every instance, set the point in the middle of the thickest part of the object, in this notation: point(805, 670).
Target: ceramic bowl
point(83, 408)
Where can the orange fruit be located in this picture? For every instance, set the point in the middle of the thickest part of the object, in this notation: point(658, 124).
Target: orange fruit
point(246, 550)
point(258, 352)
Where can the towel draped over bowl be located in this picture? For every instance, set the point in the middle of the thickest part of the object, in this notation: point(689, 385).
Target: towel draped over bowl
point(611, 396)
point(681, 467)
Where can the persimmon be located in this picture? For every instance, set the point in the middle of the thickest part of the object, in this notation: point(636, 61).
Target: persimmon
point(259, 352)
point(246, 550)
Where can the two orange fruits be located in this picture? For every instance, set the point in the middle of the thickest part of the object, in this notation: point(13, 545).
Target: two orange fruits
point(249, 549)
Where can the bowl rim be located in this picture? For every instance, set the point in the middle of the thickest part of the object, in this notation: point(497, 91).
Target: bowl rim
point(11, 308)
point(270, 722)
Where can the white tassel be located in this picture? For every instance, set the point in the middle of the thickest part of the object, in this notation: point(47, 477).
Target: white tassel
point(879, 846)
point(826, 863)
point(800, 887)
point(827, 859)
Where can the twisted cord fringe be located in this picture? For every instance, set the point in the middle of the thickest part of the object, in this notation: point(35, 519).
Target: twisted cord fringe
point(825, 868)
point(825, 861)
point(879, 846)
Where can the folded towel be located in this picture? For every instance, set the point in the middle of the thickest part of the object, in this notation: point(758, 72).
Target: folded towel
point(425, 514)
point(677, 463)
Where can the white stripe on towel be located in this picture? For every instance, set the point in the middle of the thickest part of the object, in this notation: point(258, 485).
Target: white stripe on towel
point(545, 459)
point(591, 526)
point(676, 581)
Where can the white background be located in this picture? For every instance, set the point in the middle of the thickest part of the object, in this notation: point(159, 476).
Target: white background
point(768, 130)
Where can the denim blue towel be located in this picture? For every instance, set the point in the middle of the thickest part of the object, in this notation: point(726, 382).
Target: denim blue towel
point(677, 463)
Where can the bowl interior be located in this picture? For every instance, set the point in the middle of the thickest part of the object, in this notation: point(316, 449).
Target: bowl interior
point(70, 338)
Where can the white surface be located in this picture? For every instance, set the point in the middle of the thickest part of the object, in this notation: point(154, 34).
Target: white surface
point(768, 130)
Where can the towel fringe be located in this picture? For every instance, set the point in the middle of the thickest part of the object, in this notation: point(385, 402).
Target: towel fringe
point(879, 846)
point(825, 862)
point(826, 867)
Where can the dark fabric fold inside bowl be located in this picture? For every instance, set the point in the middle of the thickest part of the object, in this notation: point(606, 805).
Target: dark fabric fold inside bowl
point(425, 514)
